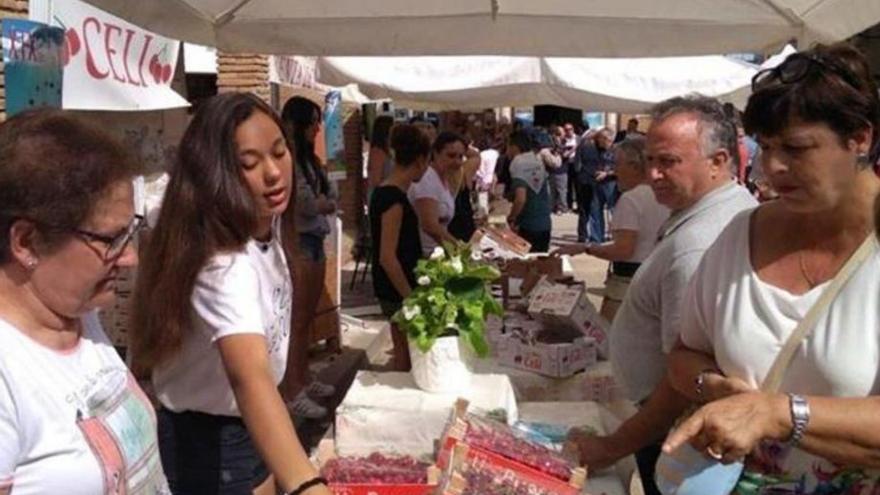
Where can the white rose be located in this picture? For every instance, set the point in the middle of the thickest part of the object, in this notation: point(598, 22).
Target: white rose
point(456, 264)
point(438, 253)
point(424, 280)
point(411, 312)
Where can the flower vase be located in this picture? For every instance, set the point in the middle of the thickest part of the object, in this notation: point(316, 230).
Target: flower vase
point(444, 369)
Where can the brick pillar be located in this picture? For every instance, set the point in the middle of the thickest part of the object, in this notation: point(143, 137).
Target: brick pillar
point(243, 72)
point(14, 9)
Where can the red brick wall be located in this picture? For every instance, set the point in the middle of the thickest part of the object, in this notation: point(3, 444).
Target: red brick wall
point(243, 72)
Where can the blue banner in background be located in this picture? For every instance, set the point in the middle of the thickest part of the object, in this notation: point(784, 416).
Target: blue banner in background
point(334, 138)
point(34, 56)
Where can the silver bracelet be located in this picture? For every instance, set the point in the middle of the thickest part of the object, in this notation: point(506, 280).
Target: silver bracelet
point(800, 417)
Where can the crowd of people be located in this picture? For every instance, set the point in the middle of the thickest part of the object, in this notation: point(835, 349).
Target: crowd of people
point(713, 284)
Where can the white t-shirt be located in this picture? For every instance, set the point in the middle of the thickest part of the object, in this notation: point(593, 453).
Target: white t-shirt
point(431, 187)
point(55, 406)
point(639, 211)
point(486, 172)
point(731, 313)
point(246, 292)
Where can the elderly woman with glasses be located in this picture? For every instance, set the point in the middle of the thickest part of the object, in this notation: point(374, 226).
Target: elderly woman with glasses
point(816, 117)
point(72, 418)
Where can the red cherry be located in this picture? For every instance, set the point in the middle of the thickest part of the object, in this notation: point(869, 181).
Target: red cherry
point(156, 71)
point(72, 41)
point(166, 73)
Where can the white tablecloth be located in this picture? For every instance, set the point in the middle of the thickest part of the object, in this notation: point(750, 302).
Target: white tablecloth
point(386, 412)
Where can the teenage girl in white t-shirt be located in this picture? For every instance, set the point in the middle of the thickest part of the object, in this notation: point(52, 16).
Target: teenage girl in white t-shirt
point(212, 319)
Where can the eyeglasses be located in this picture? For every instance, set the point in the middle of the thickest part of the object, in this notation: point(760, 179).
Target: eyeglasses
point(115, 244)
point(798, 66)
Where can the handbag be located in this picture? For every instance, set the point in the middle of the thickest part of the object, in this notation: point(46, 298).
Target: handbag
point(687, 471)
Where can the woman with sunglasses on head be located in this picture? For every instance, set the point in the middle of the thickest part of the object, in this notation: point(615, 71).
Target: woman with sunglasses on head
point(72, 418)
point(213, 302)
point(816, 117)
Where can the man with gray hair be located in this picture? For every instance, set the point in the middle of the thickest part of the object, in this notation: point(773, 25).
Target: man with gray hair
point(690, 145)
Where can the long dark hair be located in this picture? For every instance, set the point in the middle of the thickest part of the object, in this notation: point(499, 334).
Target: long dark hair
point(298, 114)
point(381, 132)
point(207, 209)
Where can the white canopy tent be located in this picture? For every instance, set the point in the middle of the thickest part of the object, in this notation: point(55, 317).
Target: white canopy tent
point(614, 85)
point(618, 28)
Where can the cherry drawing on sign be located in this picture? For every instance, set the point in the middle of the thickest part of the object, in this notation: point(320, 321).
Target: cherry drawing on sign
point(72, 43)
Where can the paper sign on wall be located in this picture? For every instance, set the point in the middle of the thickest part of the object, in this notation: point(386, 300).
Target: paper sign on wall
point(334, 137)
point(112, 64)
point(32, 54)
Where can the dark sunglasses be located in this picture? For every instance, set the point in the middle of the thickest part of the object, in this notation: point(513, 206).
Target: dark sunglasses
point(798, 66)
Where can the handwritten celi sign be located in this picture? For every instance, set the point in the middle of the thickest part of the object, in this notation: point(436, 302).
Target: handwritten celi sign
point(110, 64)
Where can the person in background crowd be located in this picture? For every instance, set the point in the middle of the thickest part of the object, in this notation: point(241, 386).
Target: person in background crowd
point(67, 222)
point(605, 191)
point(592, 159)
point(211, 317)
point(429, 129)
point(560, 177)
point(632, 131)
point(486, 181)
point(530, 214)
point(817, 117)
point(395, 228)
point(315, 199)
point(571, 199)
point(432, 196)
point(637, 220)
point(379, 163)
point(461, 183)
point(689, 148)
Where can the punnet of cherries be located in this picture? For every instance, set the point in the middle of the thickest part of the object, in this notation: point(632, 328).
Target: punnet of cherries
point(488, 483)
point(502, 440)
point(376, 469)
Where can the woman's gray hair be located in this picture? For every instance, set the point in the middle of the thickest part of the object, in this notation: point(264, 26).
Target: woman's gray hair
point(633, 151)
point(717, 130)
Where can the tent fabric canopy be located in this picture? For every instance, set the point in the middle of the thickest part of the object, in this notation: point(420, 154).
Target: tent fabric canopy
point(567, 28)
point(620, 85)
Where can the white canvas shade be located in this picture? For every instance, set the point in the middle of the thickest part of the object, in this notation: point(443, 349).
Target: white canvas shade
point(578, 28)
point(614, 85)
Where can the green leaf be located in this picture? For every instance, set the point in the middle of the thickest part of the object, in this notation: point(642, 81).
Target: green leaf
point(478, 343)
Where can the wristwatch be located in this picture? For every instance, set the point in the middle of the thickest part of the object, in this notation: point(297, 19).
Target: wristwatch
point(800, 417)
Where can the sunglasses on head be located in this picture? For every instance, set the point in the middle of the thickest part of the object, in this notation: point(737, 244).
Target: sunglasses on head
point(798, 66)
